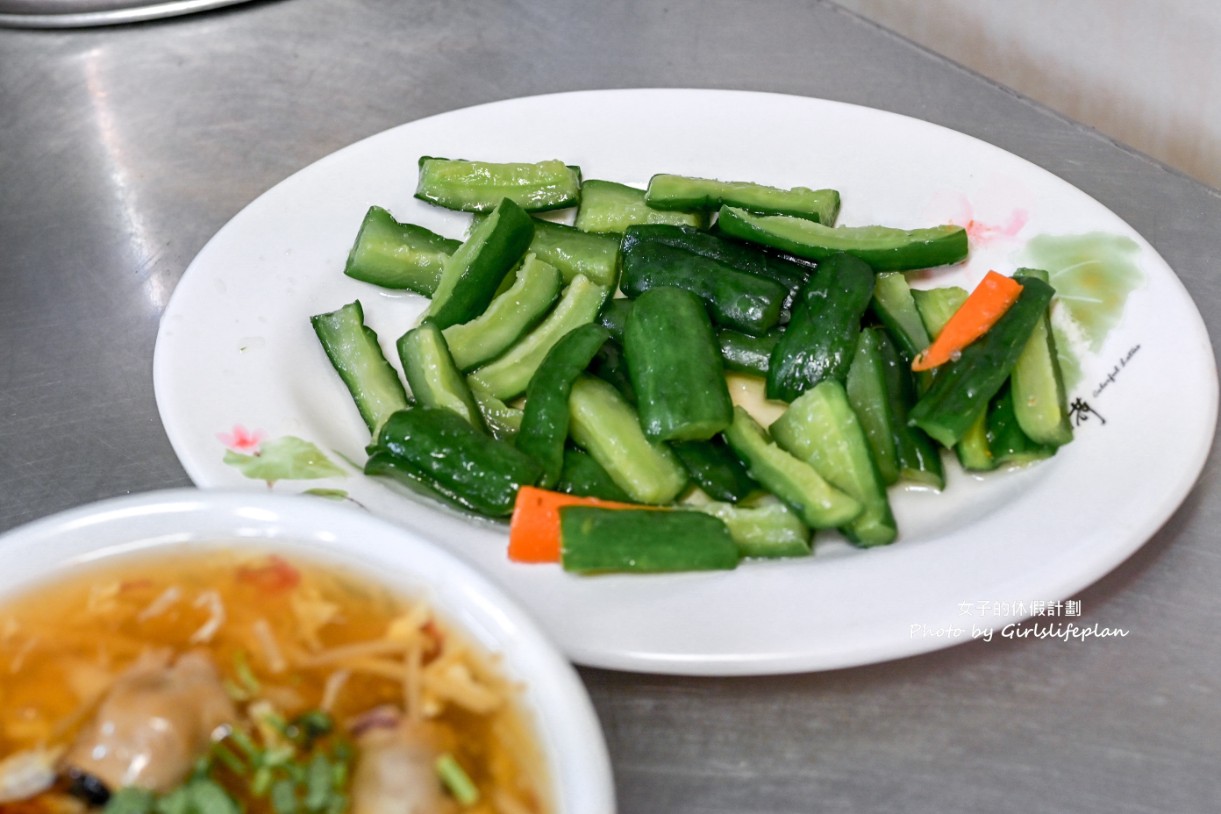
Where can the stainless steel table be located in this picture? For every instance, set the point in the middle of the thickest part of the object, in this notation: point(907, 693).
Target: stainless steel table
point(123, 149)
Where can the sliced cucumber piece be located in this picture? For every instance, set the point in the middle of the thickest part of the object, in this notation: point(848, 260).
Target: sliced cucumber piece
point(608, 428)
point(479, 186)
point(882, 247)
point(1006, 439)
point(599, 540)
point(821, 428)
point(675, 367)
point(434, 379)
point(509, 315)
point(822, 336)
point(764, 526)
point(686, 193)
point(398, 255)
point(1040, 403)
point(895, 307)
point(506, 376)
point(870, 400)
point(474, 272)
point(574, 252)
point(607, 206)
point(819, 503)
point(357, 357)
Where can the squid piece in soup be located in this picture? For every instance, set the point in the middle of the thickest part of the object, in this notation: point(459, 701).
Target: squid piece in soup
point(222, 681)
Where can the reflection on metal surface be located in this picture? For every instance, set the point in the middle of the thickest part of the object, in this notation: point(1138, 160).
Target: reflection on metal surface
point(82, 13)
point(142, 245)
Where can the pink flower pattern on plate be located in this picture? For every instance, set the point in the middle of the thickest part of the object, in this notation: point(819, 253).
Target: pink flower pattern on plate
point(243, 440)
point(982, 233)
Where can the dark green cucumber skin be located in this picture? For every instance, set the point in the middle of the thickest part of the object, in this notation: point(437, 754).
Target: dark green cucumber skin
point(575, 252)
point(397, 255)
point(741, 256)
point(675, 366)
point(821, 337)
point(544, 422)
point(744, 353)
point(962, 388)
point(716, 469)
point(433, 376)
point(357, 357)
point(734, 299)
point(867, 392)
point(382, 464)
point(904, 453)
point(613, 316)
point(917, 457)
point(572, 251)
point(582, 475)
point(881, 390)
point(439, 448)
point(479, 266)
point(789, 272)
point(925, 248)
point(610, 365)
point(1006, 440)
point(560, 191)
point(598, 540)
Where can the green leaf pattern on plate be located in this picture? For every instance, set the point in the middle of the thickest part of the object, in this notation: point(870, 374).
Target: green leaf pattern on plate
point(284, 458)
point(1093, 274)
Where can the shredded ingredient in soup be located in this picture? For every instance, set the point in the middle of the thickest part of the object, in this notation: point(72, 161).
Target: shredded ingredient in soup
point(220, 683)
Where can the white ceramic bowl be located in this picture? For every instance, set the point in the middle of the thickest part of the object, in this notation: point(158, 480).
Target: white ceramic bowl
point(320, 530)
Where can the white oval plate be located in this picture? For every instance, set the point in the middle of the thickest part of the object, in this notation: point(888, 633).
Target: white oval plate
point(237, 364)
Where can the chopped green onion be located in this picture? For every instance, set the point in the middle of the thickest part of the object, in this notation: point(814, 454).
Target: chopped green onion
point(261, 783)
point(339, 770)
point(207, 797)
point(456, 780)
point(284, 797)
point(245, 674)
point(276, 721)
point(130, 800)
point(234, 691)
point(203, 765)
point(223, 754)
point(318, 783)
point(243, 741)
point(342, 751)
point(177, 801)
point(313, 725)
point(278, 756)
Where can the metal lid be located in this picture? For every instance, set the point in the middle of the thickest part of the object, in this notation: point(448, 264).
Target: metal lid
point(82, 13)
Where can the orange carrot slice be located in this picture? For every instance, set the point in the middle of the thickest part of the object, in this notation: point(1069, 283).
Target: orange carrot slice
point(534, 528)
point(979, 312)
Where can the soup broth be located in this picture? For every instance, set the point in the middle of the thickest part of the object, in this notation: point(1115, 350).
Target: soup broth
point(289, 686)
